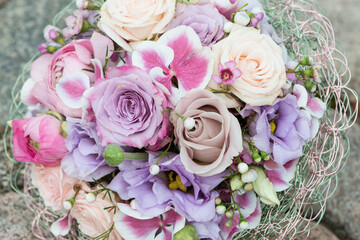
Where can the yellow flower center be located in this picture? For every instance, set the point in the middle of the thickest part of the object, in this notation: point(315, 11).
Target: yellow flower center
point(176, 183)
point(272, 127)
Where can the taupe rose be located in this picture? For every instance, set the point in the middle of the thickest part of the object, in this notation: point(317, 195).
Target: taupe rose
point(209, 147)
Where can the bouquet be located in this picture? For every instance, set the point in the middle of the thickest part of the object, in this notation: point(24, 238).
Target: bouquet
point(188, 119)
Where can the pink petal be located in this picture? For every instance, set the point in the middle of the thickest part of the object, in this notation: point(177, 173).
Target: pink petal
point(231, 64)
point(193, 63)
point(133, 227)
point(301, 94)
point(255, 217)
point(149, 55)
point(158, 75)
point(62, 226)
point(281, 176)
point(216, 78)
point(316, 107)
point(83, 51)
point(114, 36)
point(237, 73)
point(248, 203)
point(98, 70)
point(228, 232)
point(173, 218)
point(100, 45)
point(70, 89)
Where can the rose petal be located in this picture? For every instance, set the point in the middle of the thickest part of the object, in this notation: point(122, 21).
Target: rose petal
point(101, 46)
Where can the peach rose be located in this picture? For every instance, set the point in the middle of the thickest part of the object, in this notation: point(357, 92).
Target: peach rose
point(259, 59)
point(135, 20)
point(54, 185)
point(92, 218)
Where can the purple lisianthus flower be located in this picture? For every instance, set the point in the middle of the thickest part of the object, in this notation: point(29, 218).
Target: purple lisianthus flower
point(292, 129)
point(84, 160)
point(128, 108)
point(153, 194)
point(205, 19)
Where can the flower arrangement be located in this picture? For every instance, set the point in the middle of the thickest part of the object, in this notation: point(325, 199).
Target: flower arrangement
point(183, 119)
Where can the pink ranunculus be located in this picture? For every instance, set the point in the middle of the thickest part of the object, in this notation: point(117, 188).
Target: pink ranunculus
point(38, 140)
point(54, 185)
point(68, 68)
point(93, 218)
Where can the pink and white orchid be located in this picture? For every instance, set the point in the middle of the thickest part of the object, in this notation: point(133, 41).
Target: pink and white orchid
point(315, 106)
point(280, 175)
point(177, 60)
point(251, 211)
point(62, 226)
point(132, 225)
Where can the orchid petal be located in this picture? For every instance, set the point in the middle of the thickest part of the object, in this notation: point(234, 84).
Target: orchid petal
point(62, 226)
point(158, 75)
point(173, 218)
point(149, 55)
point(301, 94)
point(247, 201)
point(70, 89)
point(98, 70)
point(316, 107)
point(255, 216)
point(231, 64)
point(314, 127)
point(193, 63)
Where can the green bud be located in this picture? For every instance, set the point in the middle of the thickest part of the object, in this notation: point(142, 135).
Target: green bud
point(306, 61)
point(236, 183)
point(186, 233)
point(309, 72)
point(63, 130)
point(228, 223)
point(256, 157)
point(187, 1)
point(113, 155)
point(264, 155)
point(51, 49)
point(311, 87)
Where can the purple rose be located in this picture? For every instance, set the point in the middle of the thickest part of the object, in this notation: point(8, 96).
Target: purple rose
point(84, 160)
point(193, 198)
point(206, 21)
point(292, 129)
point(128, 108)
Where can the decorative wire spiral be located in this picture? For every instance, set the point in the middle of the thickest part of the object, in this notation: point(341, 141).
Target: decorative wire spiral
point(305, 33)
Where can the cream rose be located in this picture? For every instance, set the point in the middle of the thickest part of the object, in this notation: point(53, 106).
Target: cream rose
point(135, 20)
point(54, 185)
point(92, 218)
point(259, 59)
point(210, 136)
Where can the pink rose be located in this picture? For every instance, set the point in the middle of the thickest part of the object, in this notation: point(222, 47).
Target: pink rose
point(68, 62)
point(54, 185)
point(92, 218)
point(260, 61)
point(135, 20)
point(209, 147)
point(38, 140)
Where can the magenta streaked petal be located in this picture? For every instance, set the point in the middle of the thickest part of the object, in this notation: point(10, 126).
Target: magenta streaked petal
point(70, 89)
point(248, 203)
point(62, 226)
point(173, 218)
point(301, 94)
point(316, 107)
point(255, 217)
point(228, 232)
point(281, 176)
point(193, 63)
point(231, 64)
point(158, 75)
point(149, 55)
point(98, 70)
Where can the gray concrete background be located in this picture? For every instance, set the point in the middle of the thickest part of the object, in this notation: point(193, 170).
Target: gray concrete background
point(21, 24)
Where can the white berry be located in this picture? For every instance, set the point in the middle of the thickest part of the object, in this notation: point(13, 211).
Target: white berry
point(154, 169)
point(220, 209)
point(67, 205)
point(228, 26)
point(242, 18)
point(90, 197)
point(189, 123)
point(243, 167)
point(244, 224)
